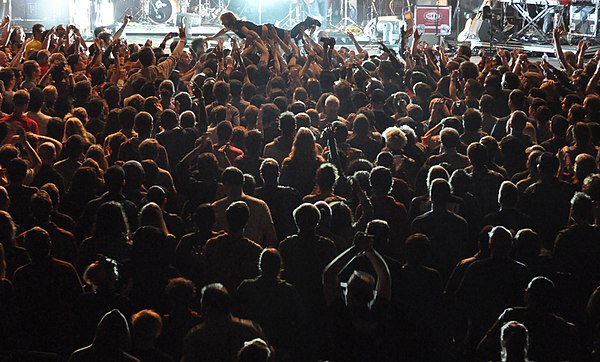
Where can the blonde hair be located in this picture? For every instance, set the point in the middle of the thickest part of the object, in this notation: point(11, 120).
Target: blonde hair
point(74, 126)
point(395, 139)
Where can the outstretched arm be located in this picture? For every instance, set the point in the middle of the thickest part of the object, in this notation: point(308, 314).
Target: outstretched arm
point(218, 34)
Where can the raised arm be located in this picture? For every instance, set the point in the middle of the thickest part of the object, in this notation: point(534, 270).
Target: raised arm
point(558, 33)
point(593, 83)
point(384, 281)
point(331, 280)
point(47, 38)
point(120, 31)
point(5, 25)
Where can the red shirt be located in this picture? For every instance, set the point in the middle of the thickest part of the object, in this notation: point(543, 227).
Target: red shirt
point(27, 123)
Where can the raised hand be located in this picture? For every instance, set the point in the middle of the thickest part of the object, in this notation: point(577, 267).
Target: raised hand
point(182, 34)
point(5, 21)
point(417, 35)
point(559, 32)
point(126, 19)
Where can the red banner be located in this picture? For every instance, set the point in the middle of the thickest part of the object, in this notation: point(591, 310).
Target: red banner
point(433, 19)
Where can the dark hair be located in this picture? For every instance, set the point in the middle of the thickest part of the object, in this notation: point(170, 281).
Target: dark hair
point(215, 300)
point(548, 164)
point(327, 175)
point(439, 191)
point(16, 170)
point(21, 98)
point(477, 154)
point(559, 125)
point(237, 215)
point(224, 131)
point(110, 221)
point(381, 180)
point(221, 91)
point(472, 119)
point(254, 142)
point(181, 291)
point(41, 206)
point(307, 217)
point(270, 263)
point(37, 243)
point(417, 248)
point(146, 56)
point(269, 170)
point(168, 119)
point(233, 176)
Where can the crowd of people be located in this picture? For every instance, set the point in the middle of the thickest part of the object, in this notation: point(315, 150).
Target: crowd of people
point(283, 198)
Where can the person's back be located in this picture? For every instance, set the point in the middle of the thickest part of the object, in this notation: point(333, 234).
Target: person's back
point(221, 336)
point(218, 340)
point(282, 200)
point(173, 138)
point(576, 249)
point(304, 258)
point(260, 227)
point(46, 290)
point(231, 259)
point(551, 338)
point(448, 233)
point(279, 149)
point(110, 343)
point(491, 285)
point(547, 201)
point(274, 304)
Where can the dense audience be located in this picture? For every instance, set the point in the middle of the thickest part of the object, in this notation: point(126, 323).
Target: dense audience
point(293, 200)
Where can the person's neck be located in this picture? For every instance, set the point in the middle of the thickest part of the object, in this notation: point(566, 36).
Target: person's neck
point(439, 208)
point(326, 192)
point(581, 222)
point(517, 356)
point(143, 344)
point(306, 233)
point(236, 234)
point(219, 317)
point(235, 194)
point(450, 151)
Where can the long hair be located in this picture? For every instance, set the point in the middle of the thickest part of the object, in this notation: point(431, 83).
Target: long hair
point(7, 229)
point(74, 126)
point(304, 145)
point(151, 215)
point(110, 221)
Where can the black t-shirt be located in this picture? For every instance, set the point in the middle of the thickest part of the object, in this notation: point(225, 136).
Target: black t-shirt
point(239, 24)
point(358, 334)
